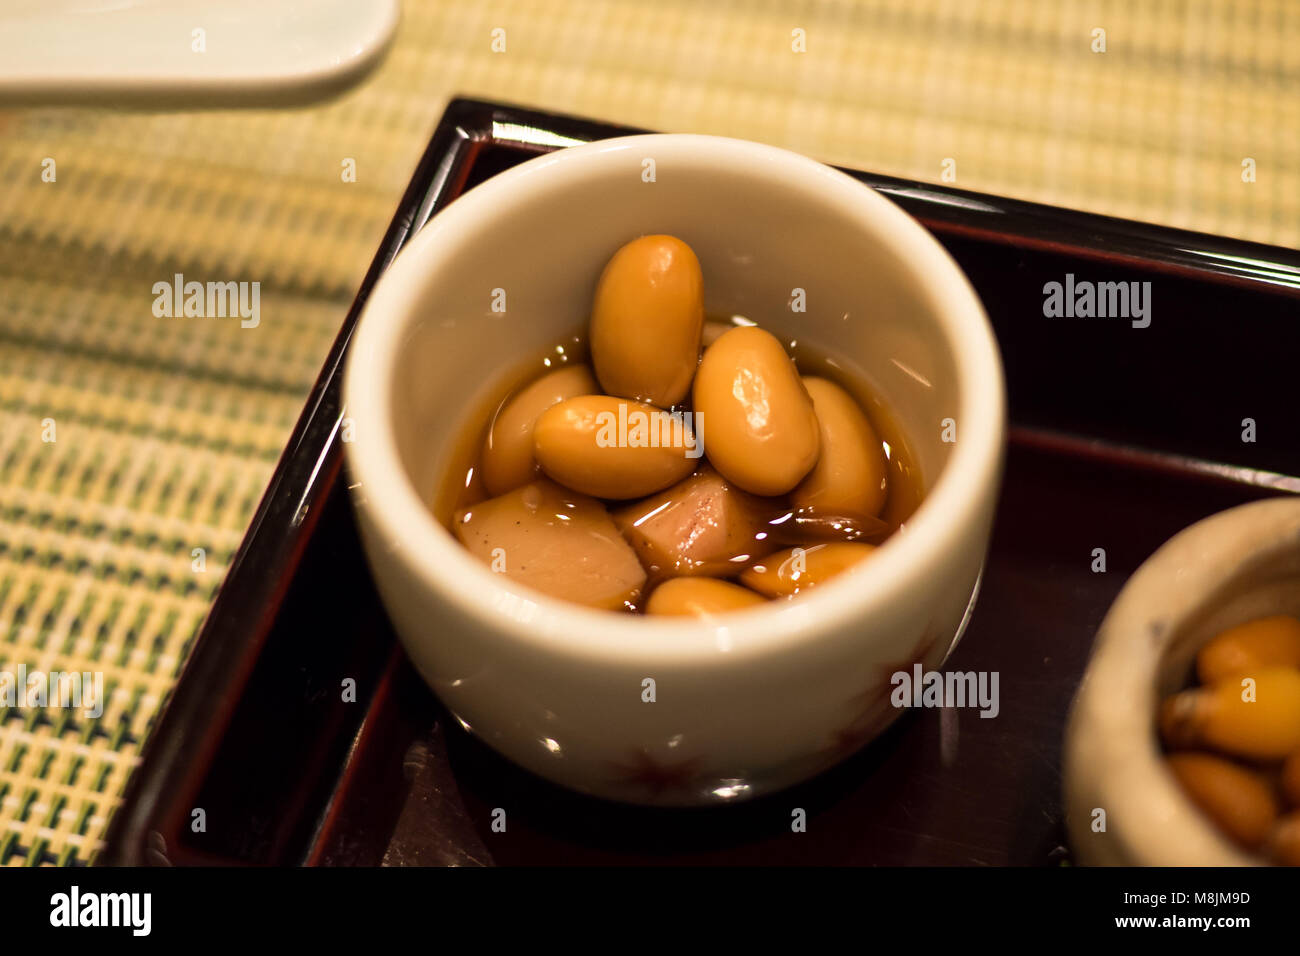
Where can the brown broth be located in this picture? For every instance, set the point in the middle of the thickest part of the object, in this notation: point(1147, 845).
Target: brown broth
point(461, 488)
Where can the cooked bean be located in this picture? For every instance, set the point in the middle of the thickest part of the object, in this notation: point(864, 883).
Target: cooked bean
point(699, 597)
point(646, 321)
point(713, 330)
point(1237, 799)
point(1260, 723)
point(1264, 642)
point(613, 448)
point(1284, 844)
point(798, 569)
point(849, 476)
point(555, 541)
point(760, 429)
point(507, 460)
point(1291, 779)
point(702, 525)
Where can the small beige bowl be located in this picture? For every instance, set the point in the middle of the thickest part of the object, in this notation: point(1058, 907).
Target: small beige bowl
point(1230, 568)
point(672, 711)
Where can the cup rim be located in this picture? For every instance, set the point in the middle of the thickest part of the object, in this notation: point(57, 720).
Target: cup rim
point(441, 565)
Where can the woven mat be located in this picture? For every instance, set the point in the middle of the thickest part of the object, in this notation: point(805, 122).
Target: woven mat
point(165, 430)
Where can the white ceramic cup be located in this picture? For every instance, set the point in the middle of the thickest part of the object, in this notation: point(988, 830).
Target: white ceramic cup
point(772, 695)
point(1230, 568)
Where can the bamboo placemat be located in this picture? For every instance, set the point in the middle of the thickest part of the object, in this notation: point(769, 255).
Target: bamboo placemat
point(166, 429)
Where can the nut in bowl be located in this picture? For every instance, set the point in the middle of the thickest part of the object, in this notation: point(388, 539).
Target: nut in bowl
point(727, 688)
point(1183, 746)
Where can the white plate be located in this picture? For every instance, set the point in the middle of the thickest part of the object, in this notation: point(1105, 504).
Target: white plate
point(186, 51)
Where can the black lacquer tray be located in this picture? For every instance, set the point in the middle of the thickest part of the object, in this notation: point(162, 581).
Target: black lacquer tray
point(1121, 436)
